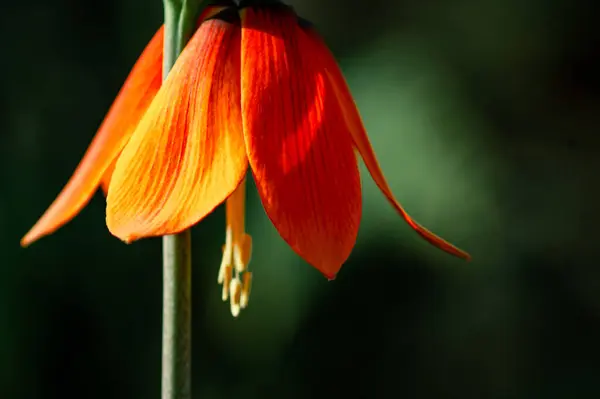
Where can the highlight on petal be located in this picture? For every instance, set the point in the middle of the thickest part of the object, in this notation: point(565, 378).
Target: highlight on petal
point(297, 143)
point(187, 154)
point(361, 141)
point(132, 101)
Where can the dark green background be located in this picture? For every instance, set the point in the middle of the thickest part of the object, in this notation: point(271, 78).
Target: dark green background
point(485, 115)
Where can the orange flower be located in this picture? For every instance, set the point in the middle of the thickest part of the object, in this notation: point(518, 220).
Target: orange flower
point(95, 169)
point(254, 87)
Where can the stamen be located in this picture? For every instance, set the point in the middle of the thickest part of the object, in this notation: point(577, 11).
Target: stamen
point(228, 275)
point(235, 293)
point(247, 284)
point(234, 274)
point(226, 261)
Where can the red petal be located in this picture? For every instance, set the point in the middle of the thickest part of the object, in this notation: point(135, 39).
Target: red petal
point(298, 146)
point(187, 154)
point(363, 145)
point(136, 94)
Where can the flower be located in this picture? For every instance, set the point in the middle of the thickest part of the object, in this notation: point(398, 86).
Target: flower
point(255, 87)
point(95, 169)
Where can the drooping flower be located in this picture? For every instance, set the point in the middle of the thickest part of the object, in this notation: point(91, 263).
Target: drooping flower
point(95, 169)
point(256, 87)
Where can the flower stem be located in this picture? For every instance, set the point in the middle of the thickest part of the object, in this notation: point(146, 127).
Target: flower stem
point(177, 316)
point(180, 17)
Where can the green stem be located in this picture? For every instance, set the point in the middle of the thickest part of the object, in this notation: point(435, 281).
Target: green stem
point(180, 18)
point(177, 316)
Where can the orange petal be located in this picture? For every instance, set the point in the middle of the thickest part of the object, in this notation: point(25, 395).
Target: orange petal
point(136, 94)
point(187, 154)
point(298, 145)
point(361, 141)
point(105, 182)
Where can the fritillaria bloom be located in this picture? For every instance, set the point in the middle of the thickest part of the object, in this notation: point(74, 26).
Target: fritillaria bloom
point(254, 88)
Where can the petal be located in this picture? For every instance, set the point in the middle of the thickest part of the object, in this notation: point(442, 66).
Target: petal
point(105, 182)
point(298, 146)
point(187, 154)
point(208, 12)
point(361, 141)
point(132, 101)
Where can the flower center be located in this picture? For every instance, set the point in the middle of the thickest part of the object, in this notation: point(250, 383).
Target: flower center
point(234, 274)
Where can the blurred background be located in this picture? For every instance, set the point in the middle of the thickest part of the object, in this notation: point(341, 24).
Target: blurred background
point(485, 117)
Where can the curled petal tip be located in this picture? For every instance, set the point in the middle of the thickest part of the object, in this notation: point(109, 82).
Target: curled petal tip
point(26, 241)
point(459, 253)
point(122, 235)
point(355, 126)
point(41, 229)
point(425, 233)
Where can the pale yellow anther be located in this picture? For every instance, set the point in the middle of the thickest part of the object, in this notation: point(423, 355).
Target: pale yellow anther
point(235, 293)
point(246, 285)
point(228, 275)
point(234, 274)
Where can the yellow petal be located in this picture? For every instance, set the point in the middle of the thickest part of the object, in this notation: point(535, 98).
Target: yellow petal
point(187, 154)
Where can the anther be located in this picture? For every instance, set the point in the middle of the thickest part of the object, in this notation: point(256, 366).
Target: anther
point(235, 291)
point(234, 274)
point(228, 275)
point(246, 285)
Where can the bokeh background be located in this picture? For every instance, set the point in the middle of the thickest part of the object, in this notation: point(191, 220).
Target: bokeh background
point(485, 116)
